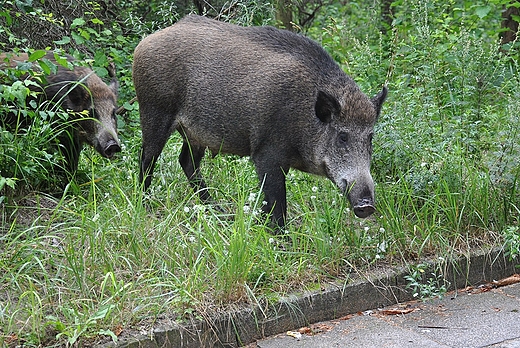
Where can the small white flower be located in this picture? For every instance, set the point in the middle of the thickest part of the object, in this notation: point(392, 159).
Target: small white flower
point(367, 228)
point(271, 240)
point(381, 230)
point(246, 209)
point(381, 247)
point(264, 203)
point(107, 194)
point(95, 218)
point(191, 239)
point(186, 209)
point(314, 189)
point(252, 197)
point(313, 197)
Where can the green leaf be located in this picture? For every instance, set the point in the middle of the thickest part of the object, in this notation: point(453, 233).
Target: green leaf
point(102, 312)
point(61, 60)
point(482, 11)
point(7, 17)
point(65, 40)
point(79, 40)
point(77, 23)
point(97, 21)
point(7, 181)
point(85, 34)
point(128, 106)
point(100, 71)
point(108, 333)
point(37, 55)
point(100, 58)
point(45, 67)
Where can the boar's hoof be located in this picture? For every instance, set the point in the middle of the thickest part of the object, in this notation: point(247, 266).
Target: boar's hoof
point(111, 148)
point(364, 208)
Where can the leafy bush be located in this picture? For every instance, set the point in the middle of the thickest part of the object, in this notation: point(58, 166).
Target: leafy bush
point(29, 131)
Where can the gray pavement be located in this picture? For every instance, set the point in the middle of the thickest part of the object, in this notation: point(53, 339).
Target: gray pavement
point(468, 318)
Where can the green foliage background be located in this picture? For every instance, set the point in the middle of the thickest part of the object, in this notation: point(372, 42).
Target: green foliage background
point(82, 264)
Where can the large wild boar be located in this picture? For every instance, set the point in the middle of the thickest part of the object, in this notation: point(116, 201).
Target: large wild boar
point(270, 94)
point(78, 90)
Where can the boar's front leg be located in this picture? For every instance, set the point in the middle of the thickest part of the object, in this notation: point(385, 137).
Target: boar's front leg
point(156, 128)
point(272, 178)
point(189, 158)
point(70, 147)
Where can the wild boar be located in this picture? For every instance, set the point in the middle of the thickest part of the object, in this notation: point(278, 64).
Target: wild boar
point(77, 90)
point(270, 94)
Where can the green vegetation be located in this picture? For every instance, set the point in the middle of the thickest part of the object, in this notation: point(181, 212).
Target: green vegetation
point(101, 256)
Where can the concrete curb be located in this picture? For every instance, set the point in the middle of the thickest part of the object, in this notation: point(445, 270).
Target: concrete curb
point(248, 325)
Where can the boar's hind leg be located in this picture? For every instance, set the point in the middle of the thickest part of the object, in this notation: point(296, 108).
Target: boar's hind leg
point(190, 157)
point(273, 180)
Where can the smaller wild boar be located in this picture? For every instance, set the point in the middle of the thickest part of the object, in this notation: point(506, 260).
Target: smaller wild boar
point(270, 94)
point(77, 90)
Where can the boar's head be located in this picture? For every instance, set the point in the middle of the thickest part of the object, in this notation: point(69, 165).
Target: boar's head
point(345, 157)
point(86, 91)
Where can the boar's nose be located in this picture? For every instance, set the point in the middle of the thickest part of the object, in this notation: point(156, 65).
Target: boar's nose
point(111, 148)
point(364, 208)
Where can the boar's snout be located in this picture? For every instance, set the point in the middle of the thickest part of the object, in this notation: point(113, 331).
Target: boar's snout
point(360, 196)
point(111, 148)
point(364, 207)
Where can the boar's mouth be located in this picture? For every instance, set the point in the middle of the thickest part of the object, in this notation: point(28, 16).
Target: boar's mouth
point(110, 149)
point(364, 208)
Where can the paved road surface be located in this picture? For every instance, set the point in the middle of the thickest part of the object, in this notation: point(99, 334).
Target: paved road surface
point(469, 318)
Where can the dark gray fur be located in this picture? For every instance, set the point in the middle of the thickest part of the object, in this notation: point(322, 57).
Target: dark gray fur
point(270, 94)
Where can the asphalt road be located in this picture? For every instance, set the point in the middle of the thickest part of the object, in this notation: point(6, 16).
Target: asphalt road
point(474, 317)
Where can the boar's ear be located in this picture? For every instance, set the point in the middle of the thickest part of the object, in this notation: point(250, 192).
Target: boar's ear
point(78, 97)
point(326, 106)
point(63, 88)
point(114, 84)
point(379, 99)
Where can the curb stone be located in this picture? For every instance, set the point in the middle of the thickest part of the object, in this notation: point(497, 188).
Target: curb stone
point(245, 326)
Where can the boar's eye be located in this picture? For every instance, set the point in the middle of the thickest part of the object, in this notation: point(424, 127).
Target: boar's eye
point(343, 139)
